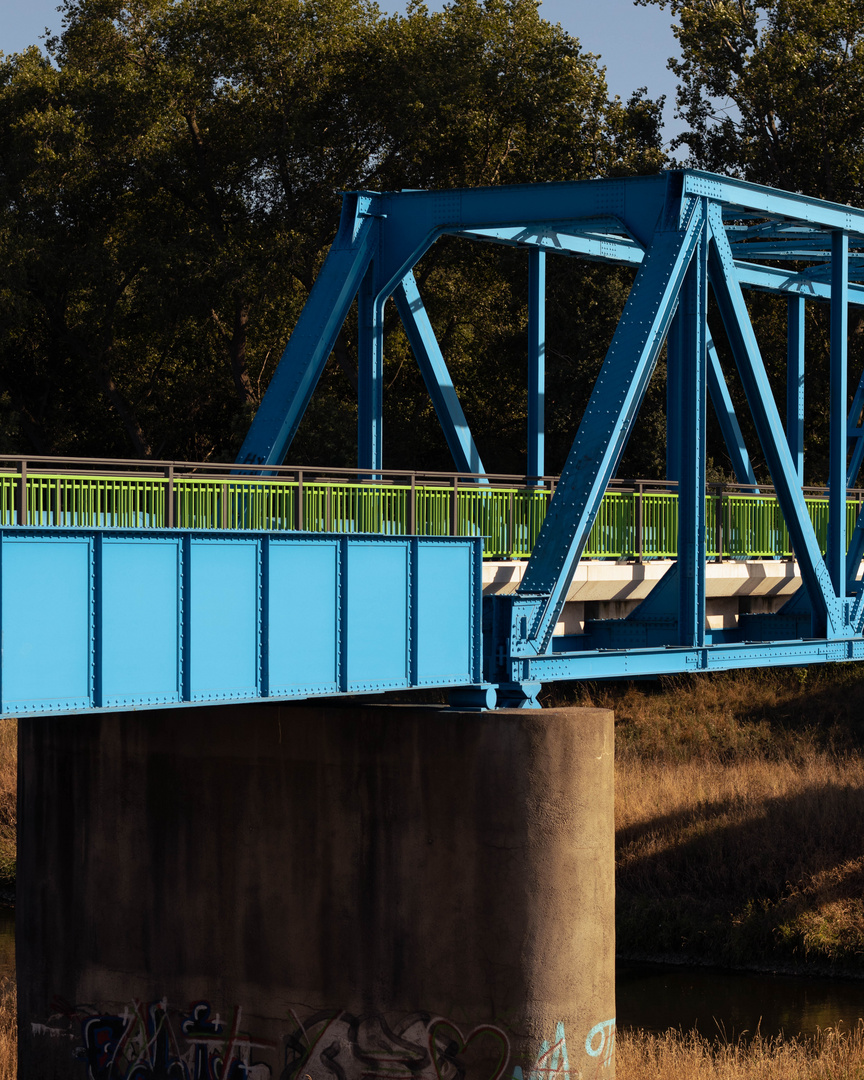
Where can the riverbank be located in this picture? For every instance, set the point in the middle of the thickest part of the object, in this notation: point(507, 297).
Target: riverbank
point(740, 843)
point(739, 809)
point(687, 1056)
point(8, 807)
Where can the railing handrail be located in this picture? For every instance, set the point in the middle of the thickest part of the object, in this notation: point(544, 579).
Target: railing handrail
point(637, 519)
point(158, 469)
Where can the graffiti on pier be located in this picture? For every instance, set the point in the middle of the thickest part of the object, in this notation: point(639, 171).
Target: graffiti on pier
point(600, 1043)
point(151, 1041)
point(420, 1047)
point(553, 1062)
point(340, 1046)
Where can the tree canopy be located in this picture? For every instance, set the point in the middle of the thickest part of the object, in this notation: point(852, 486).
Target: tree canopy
point(771, 91)
point(170, 179)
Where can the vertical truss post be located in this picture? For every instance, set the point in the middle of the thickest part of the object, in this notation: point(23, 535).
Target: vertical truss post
point(795, 382)
point(536, 361)
point(370, 373)
point(692, 319)
point(837, 448)
point(674, 396)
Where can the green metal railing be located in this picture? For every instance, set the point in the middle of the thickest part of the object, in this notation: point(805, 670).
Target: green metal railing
point(635, 521)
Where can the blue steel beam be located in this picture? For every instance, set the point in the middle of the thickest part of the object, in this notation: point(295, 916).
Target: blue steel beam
point(855, 434)
point(415, 319)
point(412, 221)
point(536, 362)
point(564, 238)
point(415, 219)
point(623, 251)
point(639, 662)
point(770, 201)
point(674, 396)
point(853, 559)
point(838, 397)
point(828, 612)
point(370, 372)
point(693, 315)
point(311, 343)
point(725, 412)
point(773, 279)
point(795, 383)
point(608, 418)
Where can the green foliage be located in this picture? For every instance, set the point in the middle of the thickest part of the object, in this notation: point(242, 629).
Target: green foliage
point(771, 91)
point(170, 178)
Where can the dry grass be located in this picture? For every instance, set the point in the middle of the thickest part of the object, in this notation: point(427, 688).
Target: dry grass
point(831, 1055)
point(8, 798)
point(739, 810)
point(746, 863)
point(767, 713)
point(8, 1030)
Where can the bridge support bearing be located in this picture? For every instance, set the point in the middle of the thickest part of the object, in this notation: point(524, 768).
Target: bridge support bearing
point(317, 891)
point(520, 695)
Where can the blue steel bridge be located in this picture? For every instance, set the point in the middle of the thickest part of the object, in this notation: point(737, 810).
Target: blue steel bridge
point(124, 585)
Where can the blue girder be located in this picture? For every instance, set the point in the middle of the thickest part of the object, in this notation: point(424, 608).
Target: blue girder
point(685, 233)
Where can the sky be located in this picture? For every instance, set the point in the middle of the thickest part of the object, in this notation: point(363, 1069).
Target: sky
point(634, 42)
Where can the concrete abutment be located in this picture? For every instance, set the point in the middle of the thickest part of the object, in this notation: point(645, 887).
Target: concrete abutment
point(317, 891)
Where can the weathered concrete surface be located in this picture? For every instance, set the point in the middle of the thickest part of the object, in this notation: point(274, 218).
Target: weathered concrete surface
point(370, 885)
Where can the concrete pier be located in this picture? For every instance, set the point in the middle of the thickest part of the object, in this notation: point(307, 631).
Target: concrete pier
point(317, 891)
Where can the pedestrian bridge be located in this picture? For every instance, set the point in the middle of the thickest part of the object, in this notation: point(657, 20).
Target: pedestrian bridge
point(130, 586)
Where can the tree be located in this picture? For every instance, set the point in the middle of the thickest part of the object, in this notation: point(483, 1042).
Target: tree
point(771, 91)
point(170, 179)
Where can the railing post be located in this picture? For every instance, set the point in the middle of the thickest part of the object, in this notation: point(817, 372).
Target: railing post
point(640, 524)
point(511, 521)
point(298, 518)
point(169, 498)
point(718, 523)
point(411, 523)
point(728, 529)
point(22, 493)
point(224, 515)
point(454, 507)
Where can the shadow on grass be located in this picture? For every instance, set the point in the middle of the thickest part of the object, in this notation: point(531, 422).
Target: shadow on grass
point(779, 881)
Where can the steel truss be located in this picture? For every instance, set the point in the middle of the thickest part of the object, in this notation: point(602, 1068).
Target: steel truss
point(686, 233)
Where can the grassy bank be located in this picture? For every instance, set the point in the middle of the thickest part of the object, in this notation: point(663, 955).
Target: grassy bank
point(8, 1030)
point(740, 841)
point(676, 1056)
point(8, 802)
point(740, 817)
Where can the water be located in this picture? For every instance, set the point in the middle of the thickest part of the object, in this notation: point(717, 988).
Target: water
point(656, 997)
